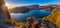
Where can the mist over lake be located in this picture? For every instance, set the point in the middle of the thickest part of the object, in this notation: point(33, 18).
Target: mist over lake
point(36, 13)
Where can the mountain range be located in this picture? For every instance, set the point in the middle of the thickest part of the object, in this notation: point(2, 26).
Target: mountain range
point(24, 9)
point(54, 17)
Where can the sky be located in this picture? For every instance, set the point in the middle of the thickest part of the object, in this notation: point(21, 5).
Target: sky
point(30, 2)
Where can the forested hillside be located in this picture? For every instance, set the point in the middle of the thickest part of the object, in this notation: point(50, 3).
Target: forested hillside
point(54, 17)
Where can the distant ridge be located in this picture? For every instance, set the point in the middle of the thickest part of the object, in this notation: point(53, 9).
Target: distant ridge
point(24, 9)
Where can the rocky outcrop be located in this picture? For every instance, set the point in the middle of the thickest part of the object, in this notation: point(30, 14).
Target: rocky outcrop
point(4, 14)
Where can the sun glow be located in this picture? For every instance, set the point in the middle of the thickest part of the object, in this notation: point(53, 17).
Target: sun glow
point(9, 6)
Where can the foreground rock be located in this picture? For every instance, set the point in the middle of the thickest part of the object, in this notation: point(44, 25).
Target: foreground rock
point(4, 14)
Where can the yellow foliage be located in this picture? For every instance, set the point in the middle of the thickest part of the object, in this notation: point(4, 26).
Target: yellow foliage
point(12, 21)
point(54, 17)
point(2, 2)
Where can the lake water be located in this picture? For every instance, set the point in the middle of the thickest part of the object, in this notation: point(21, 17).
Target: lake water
point(36, 13)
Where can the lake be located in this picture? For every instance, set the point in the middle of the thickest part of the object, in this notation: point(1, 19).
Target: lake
point(37, 13)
